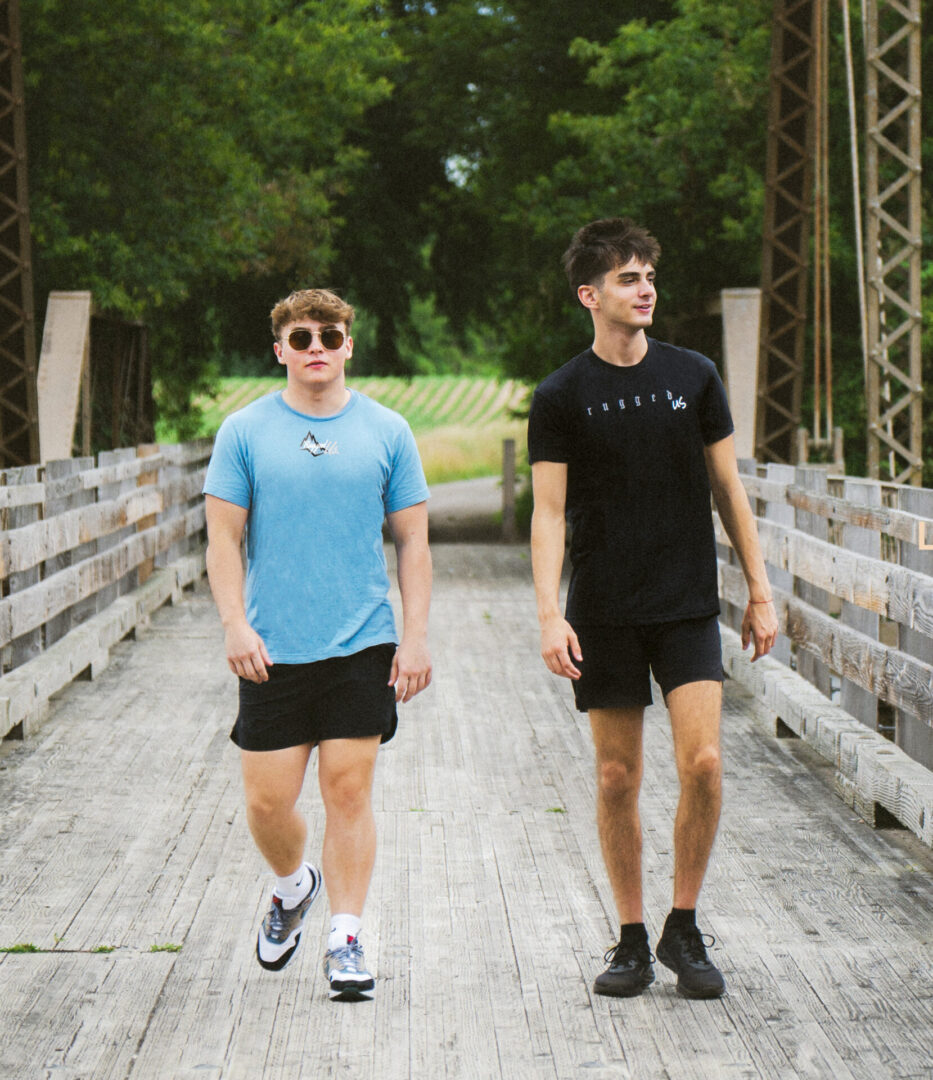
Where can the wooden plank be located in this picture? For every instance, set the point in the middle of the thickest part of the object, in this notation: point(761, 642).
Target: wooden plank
point(122, 469)
point(14, 495)
point(26, 643)
point(781, 514)
point(869, 769)
point(26, 545)
point(898, 593)
point(63, 359)
point(856, 698)
point(899, 524)
point(810, 667)
point(63, 530)
point(882, 671)
point(24, 611)
point(913, 736)
point(25, 692)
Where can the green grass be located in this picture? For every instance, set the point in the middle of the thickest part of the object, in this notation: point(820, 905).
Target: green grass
point(459, 421)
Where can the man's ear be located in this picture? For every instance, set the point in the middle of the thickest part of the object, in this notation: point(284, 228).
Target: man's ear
point(588, 295)
point(277, 349)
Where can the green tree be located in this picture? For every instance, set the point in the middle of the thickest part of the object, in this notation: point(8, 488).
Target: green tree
point(179, 147)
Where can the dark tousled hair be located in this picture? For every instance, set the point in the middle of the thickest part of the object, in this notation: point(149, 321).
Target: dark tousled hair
point(602, 245)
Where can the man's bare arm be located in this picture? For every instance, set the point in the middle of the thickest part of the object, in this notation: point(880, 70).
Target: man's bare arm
point(760, 622)
point(246, 651)
point(559, 644)
point(411, 668)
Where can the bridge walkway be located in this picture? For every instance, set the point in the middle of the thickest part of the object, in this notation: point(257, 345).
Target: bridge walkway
point(131, 891)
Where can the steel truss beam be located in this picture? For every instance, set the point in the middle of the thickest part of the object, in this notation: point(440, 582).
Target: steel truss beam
point(785, 253)
point(893, 237)
point(19, 431)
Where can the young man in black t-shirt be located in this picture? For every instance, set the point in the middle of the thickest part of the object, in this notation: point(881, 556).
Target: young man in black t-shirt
point(626, 442)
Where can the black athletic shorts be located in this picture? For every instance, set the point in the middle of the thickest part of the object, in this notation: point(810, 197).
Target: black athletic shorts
point(618, 661)
point(343, 697)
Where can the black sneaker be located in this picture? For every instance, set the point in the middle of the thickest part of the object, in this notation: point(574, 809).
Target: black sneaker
point(629, 970)
point(683, 950)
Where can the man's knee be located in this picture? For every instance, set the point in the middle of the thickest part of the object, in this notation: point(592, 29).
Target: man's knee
point(268, 803)
point(618, 780)
point(347, 793)
point(703, 768)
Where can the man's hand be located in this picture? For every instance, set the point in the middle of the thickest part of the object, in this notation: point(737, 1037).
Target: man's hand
point(560, 647)
point(411, 669)
point(246, 653)
point(760, 625)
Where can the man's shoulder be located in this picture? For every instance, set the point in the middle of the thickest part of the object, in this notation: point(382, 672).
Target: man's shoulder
point(677, 354)
point(564, 376)
point(374, 412)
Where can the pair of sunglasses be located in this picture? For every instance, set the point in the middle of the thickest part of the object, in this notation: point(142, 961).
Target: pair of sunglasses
point(331, 339)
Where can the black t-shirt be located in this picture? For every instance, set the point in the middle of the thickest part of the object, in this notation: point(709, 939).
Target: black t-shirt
point(638, 498)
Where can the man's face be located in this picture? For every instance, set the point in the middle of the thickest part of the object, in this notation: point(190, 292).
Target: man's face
point(626, 296)
point(314, 365)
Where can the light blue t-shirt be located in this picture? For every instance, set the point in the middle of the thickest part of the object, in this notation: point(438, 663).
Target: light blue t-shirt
point(317, 490)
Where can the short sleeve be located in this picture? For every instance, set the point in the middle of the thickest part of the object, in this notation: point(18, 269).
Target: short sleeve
point(715, 417)
point(228, 474)
point(547, 433)
point(407, 485)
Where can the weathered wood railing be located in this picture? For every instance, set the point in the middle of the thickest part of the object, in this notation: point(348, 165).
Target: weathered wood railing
point(87, 551)
point(852, 674)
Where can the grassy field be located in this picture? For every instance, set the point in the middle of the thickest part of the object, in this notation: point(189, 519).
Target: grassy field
point(459, 421)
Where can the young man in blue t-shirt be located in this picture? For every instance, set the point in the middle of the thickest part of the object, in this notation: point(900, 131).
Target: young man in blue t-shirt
point(627, 441)
point(309, 474)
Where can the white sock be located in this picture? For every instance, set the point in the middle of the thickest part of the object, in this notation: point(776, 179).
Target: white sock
point(342, 929)
point(294, 887)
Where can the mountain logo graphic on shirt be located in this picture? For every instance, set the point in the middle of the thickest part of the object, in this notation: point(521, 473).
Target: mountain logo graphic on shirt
point(315, 448)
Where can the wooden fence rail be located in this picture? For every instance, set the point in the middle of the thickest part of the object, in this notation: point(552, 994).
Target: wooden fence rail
point(88, 549)
point(852, 673)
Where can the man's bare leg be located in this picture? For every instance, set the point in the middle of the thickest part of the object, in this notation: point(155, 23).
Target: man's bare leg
point(617, 737)
point(345, 770)
point(695, 710)
point(272, 781)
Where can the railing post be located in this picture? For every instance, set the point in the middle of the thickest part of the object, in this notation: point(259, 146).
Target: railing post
point(509, 527)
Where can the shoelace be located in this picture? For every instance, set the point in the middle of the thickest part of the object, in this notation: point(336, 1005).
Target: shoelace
point(610, 953)
point(696, 944)
point(351, 956)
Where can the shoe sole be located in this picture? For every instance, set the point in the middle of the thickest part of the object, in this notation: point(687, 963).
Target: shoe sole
point(281, 961)
point(277, 965)
point(351, 992)
point(634, 991)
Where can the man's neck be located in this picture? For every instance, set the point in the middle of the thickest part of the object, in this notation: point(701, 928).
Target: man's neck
point(314, 401)
point(620, 345)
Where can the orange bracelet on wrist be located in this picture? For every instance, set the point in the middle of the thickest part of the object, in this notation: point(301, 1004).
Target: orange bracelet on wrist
point(771, 601)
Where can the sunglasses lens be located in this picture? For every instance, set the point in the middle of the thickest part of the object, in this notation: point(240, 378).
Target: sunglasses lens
point(331, 338)
point(300, 339)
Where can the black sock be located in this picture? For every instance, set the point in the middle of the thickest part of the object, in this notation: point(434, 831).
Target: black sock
point(681, 917)
point(633, 933)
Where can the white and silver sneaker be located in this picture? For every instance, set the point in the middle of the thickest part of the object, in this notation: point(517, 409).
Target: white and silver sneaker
point(280, 932)
point(345, 968)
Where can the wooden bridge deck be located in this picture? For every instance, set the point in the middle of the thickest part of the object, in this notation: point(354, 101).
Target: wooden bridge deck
point(121, 829)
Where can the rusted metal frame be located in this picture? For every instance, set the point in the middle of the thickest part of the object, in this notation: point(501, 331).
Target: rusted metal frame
point(19, 412)
point(893, 238)
point(786, 247)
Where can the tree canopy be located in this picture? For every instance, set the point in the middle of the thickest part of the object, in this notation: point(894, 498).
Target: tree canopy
point(192, 161)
